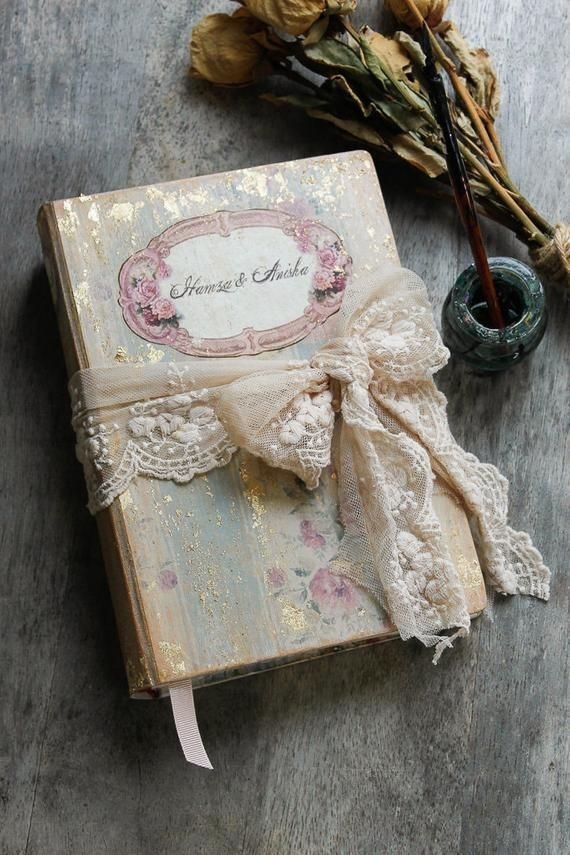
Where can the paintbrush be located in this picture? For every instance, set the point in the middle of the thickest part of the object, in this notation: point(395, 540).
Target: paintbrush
point(459, 181)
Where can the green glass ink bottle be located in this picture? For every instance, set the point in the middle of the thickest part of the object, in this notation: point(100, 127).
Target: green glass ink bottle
point(466, 327)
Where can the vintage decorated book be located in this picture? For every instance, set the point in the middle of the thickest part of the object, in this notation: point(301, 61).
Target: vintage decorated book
point(229, 573)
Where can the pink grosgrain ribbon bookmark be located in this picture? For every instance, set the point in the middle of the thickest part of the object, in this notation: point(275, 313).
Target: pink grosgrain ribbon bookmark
point(182, 700)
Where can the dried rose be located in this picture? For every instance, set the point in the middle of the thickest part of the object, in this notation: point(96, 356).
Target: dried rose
point(432, 10)
point(295, 17)
point(224, 51)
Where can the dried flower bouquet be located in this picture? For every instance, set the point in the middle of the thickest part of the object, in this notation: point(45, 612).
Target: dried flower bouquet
point(370, 87)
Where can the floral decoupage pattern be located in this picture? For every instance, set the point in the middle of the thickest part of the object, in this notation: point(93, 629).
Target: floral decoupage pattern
point(299, 532)
point(147, 270)
point(312, 269)
point(333, 262)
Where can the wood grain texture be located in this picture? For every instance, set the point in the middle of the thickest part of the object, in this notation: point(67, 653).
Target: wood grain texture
point(374, 751)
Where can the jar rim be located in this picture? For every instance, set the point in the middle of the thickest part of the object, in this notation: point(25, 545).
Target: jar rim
point(524, 280)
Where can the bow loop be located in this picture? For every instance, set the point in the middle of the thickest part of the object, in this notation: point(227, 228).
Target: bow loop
point(284, 417)
point(399, 335)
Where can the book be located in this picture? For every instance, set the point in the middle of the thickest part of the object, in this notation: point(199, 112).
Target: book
point(228, 574)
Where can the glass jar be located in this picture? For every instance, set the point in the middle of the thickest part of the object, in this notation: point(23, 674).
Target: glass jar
point(465, 324)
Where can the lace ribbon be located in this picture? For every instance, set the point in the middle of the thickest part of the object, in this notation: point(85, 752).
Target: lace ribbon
point(390, 439)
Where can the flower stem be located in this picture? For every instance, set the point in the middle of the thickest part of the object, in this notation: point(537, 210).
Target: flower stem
point(469, 103)
point(536, 226)
point(535, 235)
point(525, 205)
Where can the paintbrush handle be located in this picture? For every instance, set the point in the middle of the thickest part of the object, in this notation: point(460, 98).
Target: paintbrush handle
point(460, 183)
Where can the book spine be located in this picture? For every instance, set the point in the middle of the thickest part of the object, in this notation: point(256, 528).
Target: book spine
point(133, 636)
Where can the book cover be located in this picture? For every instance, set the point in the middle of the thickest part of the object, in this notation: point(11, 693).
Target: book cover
point(228, 574)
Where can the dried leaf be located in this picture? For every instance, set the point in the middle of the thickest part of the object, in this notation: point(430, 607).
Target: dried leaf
point(479, 188)
point(336, 55)
point(300, 100)
point(389, 52)
point(412, 48)
point(316, 32)
point(333, 58)
point(358, 130)
point(410, 110)
point(476, 65)
point(464, 123)
point(411, 149)
point(320, 109)
point(366, 108)
point(343, 84)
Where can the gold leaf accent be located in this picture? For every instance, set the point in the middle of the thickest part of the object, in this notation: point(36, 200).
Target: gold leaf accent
point(294, 617)
point(174, 658)
point(69, 222)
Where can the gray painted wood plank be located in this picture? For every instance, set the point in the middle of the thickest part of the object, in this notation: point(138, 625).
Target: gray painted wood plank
point(63, 86)
point(372, 751)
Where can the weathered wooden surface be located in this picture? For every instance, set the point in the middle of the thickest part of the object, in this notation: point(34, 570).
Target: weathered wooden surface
point(372, 751)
